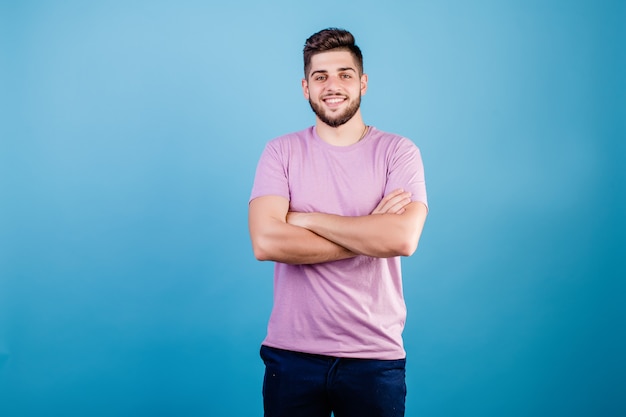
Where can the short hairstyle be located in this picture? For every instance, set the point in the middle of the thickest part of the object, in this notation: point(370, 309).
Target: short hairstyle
point(328, 40)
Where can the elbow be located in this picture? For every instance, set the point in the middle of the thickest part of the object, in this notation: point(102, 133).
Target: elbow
point(408, 245)
point(408, 248)
point(409, 240)
point(259, 253)
point(261, 250)
point(409, 234)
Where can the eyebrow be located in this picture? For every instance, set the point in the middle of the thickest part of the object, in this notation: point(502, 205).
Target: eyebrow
point(326, 71)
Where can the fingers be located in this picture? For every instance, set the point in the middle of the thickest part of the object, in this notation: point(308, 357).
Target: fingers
point(396, 205)
point(393, 203)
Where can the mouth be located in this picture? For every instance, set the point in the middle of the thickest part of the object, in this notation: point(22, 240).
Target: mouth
point(334, 101)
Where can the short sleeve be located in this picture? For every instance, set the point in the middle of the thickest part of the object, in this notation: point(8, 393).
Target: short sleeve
point(406, 171)
point(271, 173)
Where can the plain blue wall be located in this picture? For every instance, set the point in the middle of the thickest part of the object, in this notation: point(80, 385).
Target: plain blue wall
point(129, 135)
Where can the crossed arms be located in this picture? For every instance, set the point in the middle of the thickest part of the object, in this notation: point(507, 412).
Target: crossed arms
point(392, 229)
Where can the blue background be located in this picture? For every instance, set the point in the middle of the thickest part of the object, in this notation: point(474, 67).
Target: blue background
point(129, 136)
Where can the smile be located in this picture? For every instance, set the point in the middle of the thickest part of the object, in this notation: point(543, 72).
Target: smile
point(334, 100)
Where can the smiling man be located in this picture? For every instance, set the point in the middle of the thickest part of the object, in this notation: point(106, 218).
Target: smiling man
point(336, 206)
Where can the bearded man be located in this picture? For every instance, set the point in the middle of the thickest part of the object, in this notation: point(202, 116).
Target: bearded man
point(336, 206)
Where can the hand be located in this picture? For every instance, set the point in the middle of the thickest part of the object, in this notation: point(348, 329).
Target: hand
point(393, 203)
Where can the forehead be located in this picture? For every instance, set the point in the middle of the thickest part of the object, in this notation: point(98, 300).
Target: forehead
point(332, 61)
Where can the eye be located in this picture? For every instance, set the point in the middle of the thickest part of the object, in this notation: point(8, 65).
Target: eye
point(346, 76)
point(320, 78)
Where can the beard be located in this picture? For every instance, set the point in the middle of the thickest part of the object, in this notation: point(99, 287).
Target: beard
point(336, 120)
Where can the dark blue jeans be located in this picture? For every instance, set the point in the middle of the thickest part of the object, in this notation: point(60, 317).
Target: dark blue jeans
point(304, 385)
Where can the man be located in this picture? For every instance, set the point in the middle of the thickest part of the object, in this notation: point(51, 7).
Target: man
point(335, 206)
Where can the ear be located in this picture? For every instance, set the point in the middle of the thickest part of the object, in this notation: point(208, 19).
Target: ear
point(305, 88)
point(363, 84)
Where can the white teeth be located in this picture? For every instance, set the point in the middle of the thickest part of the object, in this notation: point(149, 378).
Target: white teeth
point(334, 100)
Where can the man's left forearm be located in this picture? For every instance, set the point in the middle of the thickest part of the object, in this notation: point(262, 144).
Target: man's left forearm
point(377, 235)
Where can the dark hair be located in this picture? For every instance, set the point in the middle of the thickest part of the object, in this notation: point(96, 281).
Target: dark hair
point(328, 40)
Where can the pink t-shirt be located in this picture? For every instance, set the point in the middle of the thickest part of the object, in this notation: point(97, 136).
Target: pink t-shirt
point(353, 307)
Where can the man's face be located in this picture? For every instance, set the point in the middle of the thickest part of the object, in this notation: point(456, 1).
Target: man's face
point(334, 87)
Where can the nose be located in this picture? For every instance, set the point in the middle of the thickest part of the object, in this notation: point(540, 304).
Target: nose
point(332, 84)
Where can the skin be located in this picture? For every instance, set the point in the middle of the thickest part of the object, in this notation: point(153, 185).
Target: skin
point(334, 76)
point(333, 86)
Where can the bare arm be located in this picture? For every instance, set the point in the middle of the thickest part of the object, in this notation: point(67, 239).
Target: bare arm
point(274, 239)
point(379, 235)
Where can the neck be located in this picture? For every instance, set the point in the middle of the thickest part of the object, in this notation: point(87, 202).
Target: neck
point(344, 135)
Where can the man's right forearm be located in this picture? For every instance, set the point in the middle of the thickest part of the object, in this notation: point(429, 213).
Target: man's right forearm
point(273, 239)
point(282, 242)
